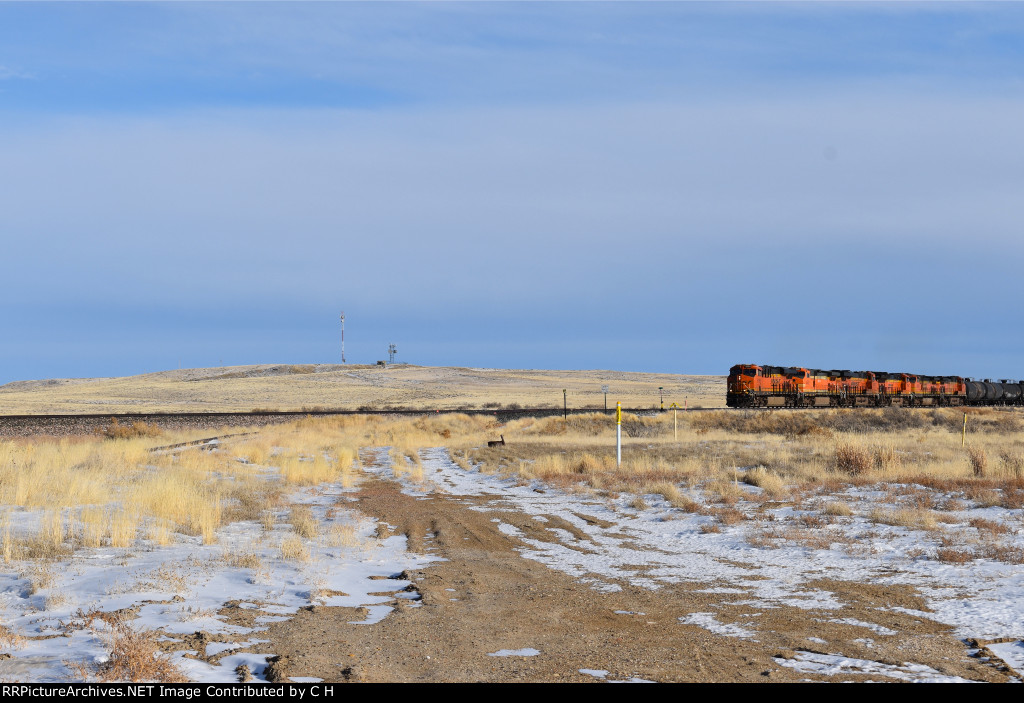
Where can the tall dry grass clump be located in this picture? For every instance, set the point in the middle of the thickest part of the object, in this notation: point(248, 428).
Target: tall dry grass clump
point(257, 450)
point(293, 548)
point(303, 522)
point(837, 509)
point(1013, 463)
point(909, 517)
point(888, 459)
point(978, 459)
point(307, 470)
point(769, 482)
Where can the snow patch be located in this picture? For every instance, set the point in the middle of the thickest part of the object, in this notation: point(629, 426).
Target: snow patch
point(833, 664)
point(525, 652)
point(711, 624)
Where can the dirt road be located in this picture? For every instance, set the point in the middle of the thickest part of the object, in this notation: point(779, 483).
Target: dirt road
point(485, 598)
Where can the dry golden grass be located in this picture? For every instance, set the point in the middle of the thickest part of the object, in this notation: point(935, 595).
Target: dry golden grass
point(978, 459)
point(912, 518)
point(836, 509)
point(256, 450)
point(97, 492)
point(307, 387)
point(789, 455)
point(293, 548)
point(343, 536)
point(771, 483)
point(638, 503)
point(9, 639)
point(113, 492)
point(244, 560)
point(303, 522)
point(137, 429)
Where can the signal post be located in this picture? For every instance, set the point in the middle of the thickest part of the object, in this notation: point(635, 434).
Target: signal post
point(618, 435)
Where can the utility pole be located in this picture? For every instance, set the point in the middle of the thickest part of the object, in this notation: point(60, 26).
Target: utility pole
point(604, 389)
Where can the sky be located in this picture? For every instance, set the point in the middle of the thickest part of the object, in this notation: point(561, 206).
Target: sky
point(665, 186)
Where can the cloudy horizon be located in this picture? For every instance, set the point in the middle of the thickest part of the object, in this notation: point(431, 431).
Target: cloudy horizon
point(671, 187)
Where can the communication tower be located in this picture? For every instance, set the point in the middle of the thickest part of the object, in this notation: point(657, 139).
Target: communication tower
point(343, 336)
point(392, 350)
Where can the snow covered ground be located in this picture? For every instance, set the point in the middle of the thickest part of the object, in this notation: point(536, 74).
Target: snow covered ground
point(179, 590)
point(982, 598)
point(182, 588)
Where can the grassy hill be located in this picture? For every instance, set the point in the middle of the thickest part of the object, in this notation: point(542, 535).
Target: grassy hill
point(351, 387)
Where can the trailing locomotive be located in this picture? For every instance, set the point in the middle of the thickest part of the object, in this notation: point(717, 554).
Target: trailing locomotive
point(753, 386)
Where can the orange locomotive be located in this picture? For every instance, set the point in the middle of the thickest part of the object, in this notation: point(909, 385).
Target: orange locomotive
point(753, 386)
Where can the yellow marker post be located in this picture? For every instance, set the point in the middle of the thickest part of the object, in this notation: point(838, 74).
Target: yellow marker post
point(675, 421)
point(618, 435)
point(963, 437)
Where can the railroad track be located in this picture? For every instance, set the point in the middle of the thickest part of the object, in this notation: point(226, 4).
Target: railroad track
point(93, 423)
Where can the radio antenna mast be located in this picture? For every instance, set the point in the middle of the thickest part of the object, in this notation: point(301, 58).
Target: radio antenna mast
point(343, 336)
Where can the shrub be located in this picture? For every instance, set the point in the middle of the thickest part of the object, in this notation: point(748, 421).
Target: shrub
point(852, 460)
point(640, 428)
point(729, 516)
point(134, 656)
point(949, 555)
point(639, 503)
point(116, 430)
point(990, 526)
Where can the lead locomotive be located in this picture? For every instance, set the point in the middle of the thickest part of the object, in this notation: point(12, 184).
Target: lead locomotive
point(753, 386)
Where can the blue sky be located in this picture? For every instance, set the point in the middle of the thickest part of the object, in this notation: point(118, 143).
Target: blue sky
point(644, 186)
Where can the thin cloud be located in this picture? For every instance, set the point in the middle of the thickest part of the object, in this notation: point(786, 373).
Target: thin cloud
point(9, 73)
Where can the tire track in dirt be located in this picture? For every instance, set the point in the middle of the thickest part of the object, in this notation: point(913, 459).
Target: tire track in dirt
point(485, 597)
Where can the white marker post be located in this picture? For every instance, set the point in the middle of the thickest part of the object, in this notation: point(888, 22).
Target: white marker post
point(618, 435)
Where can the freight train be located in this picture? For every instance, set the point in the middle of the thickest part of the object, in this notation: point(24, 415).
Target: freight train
point(753, 386)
